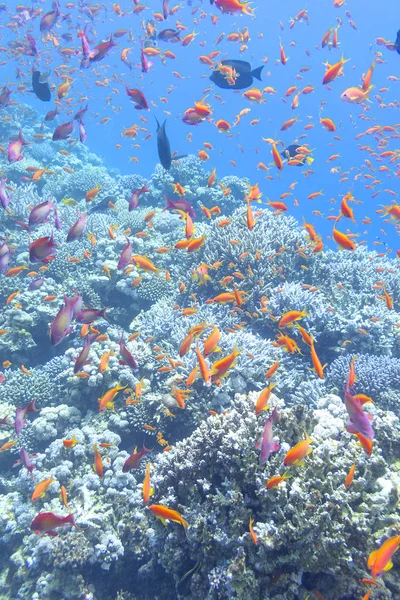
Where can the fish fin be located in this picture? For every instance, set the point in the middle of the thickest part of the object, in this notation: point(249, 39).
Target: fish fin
point(309, 451)
point(350, 428)
point(52, 533)
point(275, 447)
point(179, 157)
point(257, 72)
point(388, 566)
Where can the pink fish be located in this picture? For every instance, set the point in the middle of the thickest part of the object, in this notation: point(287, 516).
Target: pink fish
point(61, 325)
point(88, 315)
point(138, 98)
point(101, 50)
point(82, 133)
point(4, 197)
point(40, 213)
point(86, 51)
point(41, 249)
point(15, 148)
point(49, 19)
point(63, 131)
point(51, 115)
point(134, 200)
point(77, 228)
point(165, 8)
point(47, 522)
point(133, 461)
point(146, 64)
point(26, 460)
point(20, 415)
point(4, 257)
point(5, 97)
point(267, 445)
point(126, 256)
point(359, 421)
point(81, 113)
point(127, 357)
point(180, 204)
point(81, 361)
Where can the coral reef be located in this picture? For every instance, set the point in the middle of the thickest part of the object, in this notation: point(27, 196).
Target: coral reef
point(137, 387)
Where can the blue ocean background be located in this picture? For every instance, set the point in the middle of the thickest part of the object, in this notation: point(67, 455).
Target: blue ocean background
point(265, 32)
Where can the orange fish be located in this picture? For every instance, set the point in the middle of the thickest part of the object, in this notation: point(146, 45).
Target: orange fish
point(98, 463)
point(296, 455)
point(350, 476)
point(380, 560)
point(41, 488)
point(252, 532)
point(165, 514)
point(147, 491)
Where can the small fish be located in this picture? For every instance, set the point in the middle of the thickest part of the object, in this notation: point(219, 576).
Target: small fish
point(165, 514)
point(133, 461)
point(41, 488)
point(47, 522)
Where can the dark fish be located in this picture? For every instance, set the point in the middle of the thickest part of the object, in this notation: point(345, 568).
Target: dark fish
point(244, 72)
point(292, 151)
point(397, 42)
point(40, 88)
point(102, 205)
point(168, 34)
point(164, 148)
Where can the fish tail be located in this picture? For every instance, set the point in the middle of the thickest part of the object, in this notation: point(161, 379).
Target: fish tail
point(257, 72)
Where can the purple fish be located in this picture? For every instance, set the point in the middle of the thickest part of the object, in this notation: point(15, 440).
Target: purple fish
point(127, 357)
point(49, 19)
point(81, 113)
point(81, 361)
point(134, 200)
point(267, 445)
point(61, 326)
point(101, 50)
point(75, 303)
point(82, 133)
point(4, 257)
point(5, 97)
point(26, 460)
point(57, 220)
point(359, 421)
point(41, 249)
point(32, 45)
point(40, 213)
point(77, 228)
point(85, 46)
point(4, 197)
point(51, 115)
point(36, 283)
point(14, 149)
point(20, 415)
point(88, 315)
point(125, 257)
point(146, 64)
point(180, 204)
point(63, 131)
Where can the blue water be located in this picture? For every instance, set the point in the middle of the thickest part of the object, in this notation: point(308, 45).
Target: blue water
point(245, 146)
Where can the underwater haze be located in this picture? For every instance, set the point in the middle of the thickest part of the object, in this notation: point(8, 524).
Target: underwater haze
point(199, 291)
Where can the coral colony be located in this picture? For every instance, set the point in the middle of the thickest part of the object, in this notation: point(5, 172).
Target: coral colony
point(208, 421)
